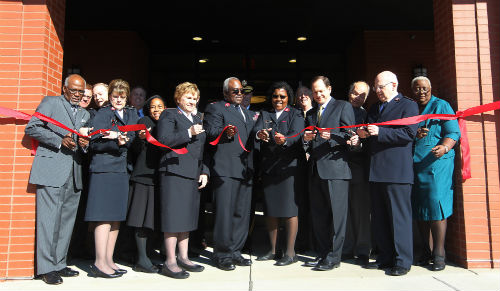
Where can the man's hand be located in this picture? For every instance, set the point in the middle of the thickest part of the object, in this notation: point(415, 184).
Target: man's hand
point(83, 142)
point(196, 129)
point(422, 132)
point(439, 150)
point(263, 134)
point(122, 139)
point(68, 142)
point(203, 180)
point(110, 134)
point(279, 138)
point(372, 129)
point(324, 134)
point(231, 131)
point(309, 135)
point(362, 132)
point(354, 141)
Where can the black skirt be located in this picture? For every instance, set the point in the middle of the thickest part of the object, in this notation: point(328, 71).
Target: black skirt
point(108, 197)
point(180, 203)
point(281, 195)
point(141, 211)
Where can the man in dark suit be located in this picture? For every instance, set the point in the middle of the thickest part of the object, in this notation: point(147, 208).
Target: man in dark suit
point(231, 169)
point(56, 171)
point(391, 175)
point(329, 173)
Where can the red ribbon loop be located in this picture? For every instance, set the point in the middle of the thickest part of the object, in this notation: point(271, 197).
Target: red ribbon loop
point(216, 141)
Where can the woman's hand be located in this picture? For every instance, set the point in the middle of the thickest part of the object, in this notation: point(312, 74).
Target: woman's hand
point(203, 180)
point(309, 135)
point(142, 133)
point(422, 132)
point(110, 134)
point(324, 134)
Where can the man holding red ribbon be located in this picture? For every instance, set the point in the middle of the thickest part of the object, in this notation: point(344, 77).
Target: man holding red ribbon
point(56, 171)
point(229, 126)
point(391, 175)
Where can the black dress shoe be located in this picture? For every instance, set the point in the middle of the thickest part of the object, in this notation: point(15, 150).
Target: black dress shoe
point(165, 271)
point(362, 260)
point(324, 265)
point(439, 263)
point(52, 278)
point(68, 272)
point(312, 263)
point(225, 264)
point(376, 265)
point(98, 273)
point(398, 271)
point(346, 257)
point(120, 271)
point(190, 268)
point(286, 260)
point(267, 257)
point(241, 261)
point(141, 268)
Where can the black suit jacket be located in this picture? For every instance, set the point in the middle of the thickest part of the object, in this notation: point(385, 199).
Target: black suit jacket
point(280, 160)
point(108, 156)
point(391, 151)
point(331, 156)
point(173, 128)
point(228, 159)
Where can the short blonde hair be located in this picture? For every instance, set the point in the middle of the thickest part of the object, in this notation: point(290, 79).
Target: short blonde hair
point(184, 88)
point(119, 86)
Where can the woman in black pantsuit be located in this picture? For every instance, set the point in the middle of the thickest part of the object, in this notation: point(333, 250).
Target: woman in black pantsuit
point(143, 207)
point(280, 160)
point(109, 177)
point(181, 177)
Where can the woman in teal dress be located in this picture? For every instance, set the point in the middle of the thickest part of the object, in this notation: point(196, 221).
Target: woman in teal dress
point(433, 158)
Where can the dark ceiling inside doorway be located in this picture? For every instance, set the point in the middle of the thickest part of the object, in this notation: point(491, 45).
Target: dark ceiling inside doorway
point(168, 26)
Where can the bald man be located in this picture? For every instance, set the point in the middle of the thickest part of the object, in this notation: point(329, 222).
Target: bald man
point(391, 175)
point(56, 171)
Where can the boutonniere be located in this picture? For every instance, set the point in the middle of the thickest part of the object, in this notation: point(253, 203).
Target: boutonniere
point(227, 104)
point(112, 108)
point(178, 111)
point(287, 109)
point(283, 121)
point(256, 116)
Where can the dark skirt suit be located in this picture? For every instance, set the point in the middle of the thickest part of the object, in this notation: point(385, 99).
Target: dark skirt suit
point(109, 168)
point(280, 165)
point(179, 174)
point(143, 200)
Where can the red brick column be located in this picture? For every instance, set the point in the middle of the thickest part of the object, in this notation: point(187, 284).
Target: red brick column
point(464, 61)
point(31, 59)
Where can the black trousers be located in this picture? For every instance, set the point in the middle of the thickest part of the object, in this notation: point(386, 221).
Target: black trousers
point(392, 223)
point(232, 200)
point(328, 205)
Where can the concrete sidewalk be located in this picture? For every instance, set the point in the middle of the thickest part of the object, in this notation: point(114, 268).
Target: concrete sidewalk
point(265, 276)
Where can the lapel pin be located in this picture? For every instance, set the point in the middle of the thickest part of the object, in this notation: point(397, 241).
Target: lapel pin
point(227, 104)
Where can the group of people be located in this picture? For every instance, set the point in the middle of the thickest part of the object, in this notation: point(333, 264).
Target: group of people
point(351, 182)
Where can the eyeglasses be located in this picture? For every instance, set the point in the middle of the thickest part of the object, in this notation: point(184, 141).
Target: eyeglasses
point(238, 91)
point(74, 91)
point(375, 88)
point(423, 90)
point(119, 97)
point(279, 96)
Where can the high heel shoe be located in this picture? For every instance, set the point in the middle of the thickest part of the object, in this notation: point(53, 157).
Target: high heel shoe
point(98, 273)
point(439, 263)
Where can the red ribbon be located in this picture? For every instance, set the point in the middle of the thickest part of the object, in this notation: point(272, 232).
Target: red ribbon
point(124, 128)
point(216, 141)
point(460, 115)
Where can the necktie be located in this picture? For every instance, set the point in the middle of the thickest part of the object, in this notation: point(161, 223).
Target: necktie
point(74, 108)
point(238, 107)
point(381, 107)
point(320, 112)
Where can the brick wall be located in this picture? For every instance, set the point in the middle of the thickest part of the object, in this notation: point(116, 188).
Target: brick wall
point(31, 36)
point(465, 71)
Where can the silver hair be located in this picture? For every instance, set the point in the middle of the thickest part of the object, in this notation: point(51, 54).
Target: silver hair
point(225, 86)
point(66, 81)
point(360, 82)
point(420, 78)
